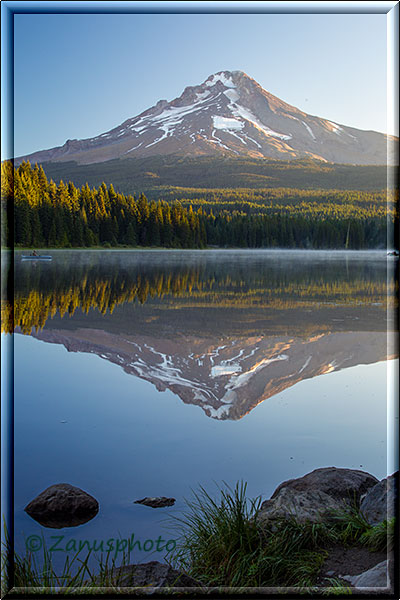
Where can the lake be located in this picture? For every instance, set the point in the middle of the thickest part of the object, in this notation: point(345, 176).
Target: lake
point(149, 373)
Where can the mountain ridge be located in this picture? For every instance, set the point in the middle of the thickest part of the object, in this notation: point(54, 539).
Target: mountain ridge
point(229, 114)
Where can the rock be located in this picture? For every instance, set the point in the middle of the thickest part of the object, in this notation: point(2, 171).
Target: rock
point(377, 577)
point(307, 505)
point(62, 505)
point(159, 502)
point(380, 501)
point(340, 484)
point(154, 574)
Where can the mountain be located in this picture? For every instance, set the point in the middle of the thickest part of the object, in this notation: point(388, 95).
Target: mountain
point(230, 376)
point(229, 114)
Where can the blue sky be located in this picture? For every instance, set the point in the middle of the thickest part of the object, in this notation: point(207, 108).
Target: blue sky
point(79, 75)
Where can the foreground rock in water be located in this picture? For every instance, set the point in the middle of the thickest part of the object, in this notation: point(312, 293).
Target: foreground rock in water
point(151, 574)
point(379, 504)
point(307, 505)
point(158, 502)
point(62, 505)
point(341, 484)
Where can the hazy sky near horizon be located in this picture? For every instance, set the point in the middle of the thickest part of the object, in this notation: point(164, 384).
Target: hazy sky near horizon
point(79, 75)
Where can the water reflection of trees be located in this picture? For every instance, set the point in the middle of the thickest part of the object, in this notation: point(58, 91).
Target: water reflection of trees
point(42, 291)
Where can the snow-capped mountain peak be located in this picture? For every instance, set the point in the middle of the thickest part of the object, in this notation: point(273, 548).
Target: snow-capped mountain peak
point(229, 113)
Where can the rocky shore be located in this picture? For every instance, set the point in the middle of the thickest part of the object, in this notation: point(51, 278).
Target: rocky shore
point(317, 499)
point(324, 491)
point(312, 498)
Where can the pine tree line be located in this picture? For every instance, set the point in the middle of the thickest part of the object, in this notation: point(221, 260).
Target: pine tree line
point(38, 213)
point(47, 215)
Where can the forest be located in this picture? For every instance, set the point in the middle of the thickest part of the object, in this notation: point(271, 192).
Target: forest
point(37, 212)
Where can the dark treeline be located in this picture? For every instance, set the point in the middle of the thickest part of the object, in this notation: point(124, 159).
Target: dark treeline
point(38, 213)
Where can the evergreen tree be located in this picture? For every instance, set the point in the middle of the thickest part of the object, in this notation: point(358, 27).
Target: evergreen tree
point(130, 236)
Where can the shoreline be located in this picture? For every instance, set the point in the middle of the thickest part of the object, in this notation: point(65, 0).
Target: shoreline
point(208, 249)
point(331, 530)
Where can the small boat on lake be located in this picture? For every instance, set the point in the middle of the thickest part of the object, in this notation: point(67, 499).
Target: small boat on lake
point(38, 257)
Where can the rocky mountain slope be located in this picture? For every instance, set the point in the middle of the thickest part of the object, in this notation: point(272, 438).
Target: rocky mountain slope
point(228, 114)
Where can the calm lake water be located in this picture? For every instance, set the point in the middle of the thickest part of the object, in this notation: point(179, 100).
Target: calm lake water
point(151, 373)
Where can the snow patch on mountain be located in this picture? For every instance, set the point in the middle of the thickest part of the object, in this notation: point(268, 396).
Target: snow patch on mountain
point(335, 127)
point(217, 413)
point(309, 131)
point(217, 140)
point(226, 80)
point(241, 112)
point(226, 123)
point(237, 136)
point(238, 381)
point(134, 148)
point(305, 364)
point(202, 95)
point(219, 370)
point(232, 95)
point(169, 119)
point(251, 139)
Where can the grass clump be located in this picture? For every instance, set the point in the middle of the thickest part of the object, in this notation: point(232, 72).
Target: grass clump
point(349, 525)
point(380, 537)
point(222, 544)
point(35, 572)
point(351, 528)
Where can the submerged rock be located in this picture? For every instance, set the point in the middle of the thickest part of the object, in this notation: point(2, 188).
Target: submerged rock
point(308, 505)
point(379, 503)
point(341, 484)
point(151, 574)
point(62, 505)
point(158, 502)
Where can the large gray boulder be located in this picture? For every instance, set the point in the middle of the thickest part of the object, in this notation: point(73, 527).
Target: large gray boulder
point(62, 505)
point(151, 574)
point(379, 503)
point(341, 484)
point(308, 505)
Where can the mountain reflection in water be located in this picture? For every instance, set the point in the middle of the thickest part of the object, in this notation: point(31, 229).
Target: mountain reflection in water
point(222, 330)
